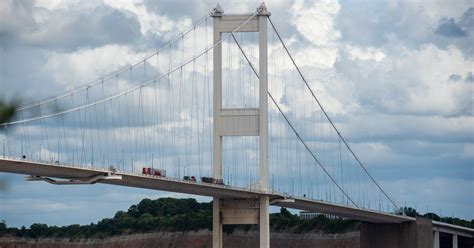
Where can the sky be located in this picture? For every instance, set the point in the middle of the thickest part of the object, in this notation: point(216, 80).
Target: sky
point(396, 75)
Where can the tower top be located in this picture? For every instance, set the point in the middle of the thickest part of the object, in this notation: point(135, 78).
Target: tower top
point(262, 10)
point(217, 11)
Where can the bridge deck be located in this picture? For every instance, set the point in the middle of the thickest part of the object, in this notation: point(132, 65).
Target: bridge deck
point(195, 188)
point(453, 229)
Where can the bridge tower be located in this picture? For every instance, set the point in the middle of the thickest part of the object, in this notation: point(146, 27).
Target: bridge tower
point(241, 122)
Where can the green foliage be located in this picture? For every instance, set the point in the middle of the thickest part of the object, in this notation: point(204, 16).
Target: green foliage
point(3, 227)
point(286, 221)
point(182, 215)
point(164, 214)
point(283, 220)
point(38, 230)
point(7, 110)
point(431, 216)
point(408, 211)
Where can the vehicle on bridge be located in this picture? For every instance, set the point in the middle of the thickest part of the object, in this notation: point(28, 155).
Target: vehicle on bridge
point(189, 178)
point(212, 180)
point(153, 172)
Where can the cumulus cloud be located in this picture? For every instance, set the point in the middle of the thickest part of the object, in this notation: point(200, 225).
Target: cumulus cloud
point(391, 86)
point(15, 16)
point(318, 57)
point(68, 28)
point(316, 21)
point(368, 53)
point(151, 21)
point(72, 69)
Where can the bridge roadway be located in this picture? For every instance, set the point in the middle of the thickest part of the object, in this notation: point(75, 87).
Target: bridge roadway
point(59, 171)
point(195, 188)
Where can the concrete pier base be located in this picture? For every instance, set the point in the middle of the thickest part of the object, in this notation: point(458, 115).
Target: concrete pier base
point(455, 241)
point(417, 234)
point(217, 238)
point(241, 212)
point(436, 239)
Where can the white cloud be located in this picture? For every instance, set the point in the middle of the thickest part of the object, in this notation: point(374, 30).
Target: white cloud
point(65, 26)
point(367, 53)
point(426, 83)
point(149, 21)
point(432, 10)
point(73, 69)
point(58, 4)
point(15, 15)
point(318, 57)
point(385, 126)
point(410, 81)
point(316, 22)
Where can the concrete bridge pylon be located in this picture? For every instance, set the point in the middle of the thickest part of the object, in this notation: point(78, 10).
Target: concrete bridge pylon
point(241, 122)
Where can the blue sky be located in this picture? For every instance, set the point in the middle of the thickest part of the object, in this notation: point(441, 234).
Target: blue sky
point(396, 75)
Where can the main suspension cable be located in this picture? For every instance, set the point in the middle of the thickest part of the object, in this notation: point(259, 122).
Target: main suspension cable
point(293, 128)
point(327, 116)
point(124, 92)
point(111, 74)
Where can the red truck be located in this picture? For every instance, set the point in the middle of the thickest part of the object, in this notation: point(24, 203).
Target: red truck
point(153, 172)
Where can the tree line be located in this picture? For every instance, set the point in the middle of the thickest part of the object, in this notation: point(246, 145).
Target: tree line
point(171, 215)
point(409, 211)
point(182, 215)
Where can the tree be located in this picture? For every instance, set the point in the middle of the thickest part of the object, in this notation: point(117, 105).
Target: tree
point(7, 110)
point(410, 212)
point(3, 227)
point(146, 206)
point(145, 222)
point(432, 216)
point(38, 230)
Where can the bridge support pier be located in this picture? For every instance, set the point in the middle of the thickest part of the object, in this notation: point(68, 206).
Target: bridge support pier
point(264, 222)
point(455, 241)
point(240, 212)
point(217, 238)
point(416, 234)
point(436, 239)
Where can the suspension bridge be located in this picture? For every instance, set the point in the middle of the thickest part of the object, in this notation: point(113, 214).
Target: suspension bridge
point(248, 131)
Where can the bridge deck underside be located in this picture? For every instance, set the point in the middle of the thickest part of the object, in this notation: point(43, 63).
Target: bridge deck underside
point(195, 188)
